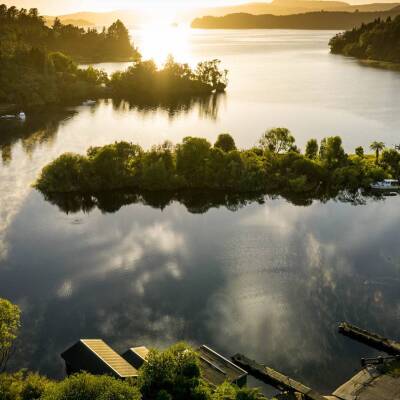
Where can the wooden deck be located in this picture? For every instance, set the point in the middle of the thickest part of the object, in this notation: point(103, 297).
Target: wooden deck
point(371, 339)
point(370, 384)
point(275, 378)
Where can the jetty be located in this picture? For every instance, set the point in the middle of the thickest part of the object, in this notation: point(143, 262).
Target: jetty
point(370, 338)
point(275, 378)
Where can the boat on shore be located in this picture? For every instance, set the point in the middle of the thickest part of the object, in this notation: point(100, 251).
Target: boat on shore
point(386, 184)
point(21, 116)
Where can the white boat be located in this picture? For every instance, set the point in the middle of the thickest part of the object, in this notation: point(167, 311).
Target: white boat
point(386, 184)
point(89, 103)
point(21, 116)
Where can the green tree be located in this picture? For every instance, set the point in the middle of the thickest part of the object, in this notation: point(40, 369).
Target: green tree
point(312, 149)
point(172, 374)
point(84, 386)
point(23, 385)
point(225, 142)
point(377, 147)
point(359, 151)
point(191, 160)
point(277, 140)
point(391, 160)
point(332, 152)
point(227, 391)
point(209, 73)
point(10, 315)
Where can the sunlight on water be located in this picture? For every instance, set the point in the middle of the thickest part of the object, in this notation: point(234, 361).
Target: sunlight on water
point(157, 42)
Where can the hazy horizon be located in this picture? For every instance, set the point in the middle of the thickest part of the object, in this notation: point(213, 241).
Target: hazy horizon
point(47, 7)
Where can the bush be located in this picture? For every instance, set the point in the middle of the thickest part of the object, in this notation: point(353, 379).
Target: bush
point(23, 385)
point(84, 386)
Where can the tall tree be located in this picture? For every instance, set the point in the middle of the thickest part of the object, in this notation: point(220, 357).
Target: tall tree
point(377, 147)
point(9, 327)
point(277, 140)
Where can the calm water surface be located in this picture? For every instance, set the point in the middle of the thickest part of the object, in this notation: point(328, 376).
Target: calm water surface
point(270, 280)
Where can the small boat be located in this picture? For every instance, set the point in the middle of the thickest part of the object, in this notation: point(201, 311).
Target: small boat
point(21, 116)
point(386, 184)
point(89, 103)
point(390, 194)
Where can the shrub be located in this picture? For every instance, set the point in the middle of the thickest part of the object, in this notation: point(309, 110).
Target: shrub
point(84, 386)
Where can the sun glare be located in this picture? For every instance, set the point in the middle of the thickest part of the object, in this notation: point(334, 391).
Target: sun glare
point(159, 39)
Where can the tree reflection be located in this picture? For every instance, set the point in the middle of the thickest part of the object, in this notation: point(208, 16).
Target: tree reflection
point(208, 106)
point(195, 201)
point(36, 130)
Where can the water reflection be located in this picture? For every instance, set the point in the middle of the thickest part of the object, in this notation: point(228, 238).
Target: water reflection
point(36, 130)
point(207, 106)
point(195, 201)
point(272, 282)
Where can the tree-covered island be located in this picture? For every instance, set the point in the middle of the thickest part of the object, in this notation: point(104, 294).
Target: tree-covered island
point(377, 43)
point(39, 66)
point(275, 165)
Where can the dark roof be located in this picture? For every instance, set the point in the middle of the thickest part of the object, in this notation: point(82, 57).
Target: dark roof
point(136, 356)
point(96, 357)
point(217, 369)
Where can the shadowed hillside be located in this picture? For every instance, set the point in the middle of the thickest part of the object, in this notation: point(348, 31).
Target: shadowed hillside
point(313, 20)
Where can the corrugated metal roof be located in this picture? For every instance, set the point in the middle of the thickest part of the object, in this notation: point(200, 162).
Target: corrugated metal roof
point(141, 351)
point(216, 368)
point(110, 357)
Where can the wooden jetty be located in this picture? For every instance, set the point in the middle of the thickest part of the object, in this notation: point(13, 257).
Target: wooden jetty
point(371, 339)
point(275, 378)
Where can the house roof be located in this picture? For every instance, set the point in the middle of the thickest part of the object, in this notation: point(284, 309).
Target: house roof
point(95, 356)
point(141, 351)
point(217, 369)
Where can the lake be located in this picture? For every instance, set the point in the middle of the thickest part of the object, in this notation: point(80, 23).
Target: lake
point(269, 279)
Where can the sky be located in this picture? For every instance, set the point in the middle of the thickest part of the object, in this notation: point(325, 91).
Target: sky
point(58, 7)
point(68, 6)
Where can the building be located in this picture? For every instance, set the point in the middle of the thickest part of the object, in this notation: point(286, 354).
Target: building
point(217, 369)
point(136, 356)
point(96, 357)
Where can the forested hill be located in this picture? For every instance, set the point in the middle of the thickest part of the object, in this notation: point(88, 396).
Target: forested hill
point(311, 20)
point(22, 30)
point(378, 40)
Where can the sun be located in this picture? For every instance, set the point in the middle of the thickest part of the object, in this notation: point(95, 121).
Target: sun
point(163, 37)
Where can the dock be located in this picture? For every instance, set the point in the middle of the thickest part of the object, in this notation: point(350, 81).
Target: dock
point(371, 339)
point(275, 378)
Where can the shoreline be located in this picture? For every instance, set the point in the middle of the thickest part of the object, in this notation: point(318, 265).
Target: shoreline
point(388, 65)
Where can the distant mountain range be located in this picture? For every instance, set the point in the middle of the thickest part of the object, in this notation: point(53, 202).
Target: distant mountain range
point(287, 7)
point(133, 18)
point(67, 20)
point(313, 20)
point(98, 19)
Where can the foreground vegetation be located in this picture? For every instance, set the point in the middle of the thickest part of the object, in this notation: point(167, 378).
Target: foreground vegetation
point(276, 164)
point(378, 41)
point(38, 66)
point(172, 374)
